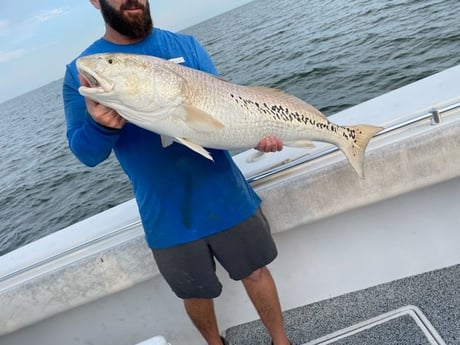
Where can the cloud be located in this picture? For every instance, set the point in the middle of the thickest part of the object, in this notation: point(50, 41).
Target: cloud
point(44, 16)
point(6, 56)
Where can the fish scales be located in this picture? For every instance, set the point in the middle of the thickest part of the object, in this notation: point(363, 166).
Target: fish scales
point(258, 112)
point(201, 111)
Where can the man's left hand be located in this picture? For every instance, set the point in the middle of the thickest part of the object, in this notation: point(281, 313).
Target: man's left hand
point(270, 144)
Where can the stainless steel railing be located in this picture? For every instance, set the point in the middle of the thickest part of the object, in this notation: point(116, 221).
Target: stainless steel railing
point(435, 115)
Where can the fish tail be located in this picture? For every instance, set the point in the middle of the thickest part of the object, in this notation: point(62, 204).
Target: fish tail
point(354, 148)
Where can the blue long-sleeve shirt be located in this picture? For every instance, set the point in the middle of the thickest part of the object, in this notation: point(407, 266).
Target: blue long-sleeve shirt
point(181, 195)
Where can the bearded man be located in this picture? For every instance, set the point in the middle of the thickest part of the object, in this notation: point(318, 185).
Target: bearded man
point(193, 210)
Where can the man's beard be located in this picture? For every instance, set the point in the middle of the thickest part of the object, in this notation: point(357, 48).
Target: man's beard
point(130, 26)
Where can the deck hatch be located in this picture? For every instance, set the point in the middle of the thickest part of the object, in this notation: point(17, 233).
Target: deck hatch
point(388, 325)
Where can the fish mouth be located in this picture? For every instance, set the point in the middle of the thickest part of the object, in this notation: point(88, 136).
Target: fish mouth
point(96, 83)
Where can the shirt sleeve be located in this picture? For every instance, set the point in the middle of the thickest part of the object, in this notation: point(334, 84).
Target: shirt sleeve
point(90, 142)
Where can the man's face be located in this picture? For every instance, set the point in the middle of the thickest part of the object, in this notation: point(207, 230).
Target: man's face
point(131, 18)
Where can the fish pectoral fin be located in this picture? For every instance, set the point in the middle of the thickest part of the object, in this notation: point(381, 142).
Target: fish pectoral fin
point(308, 144)
point(198, 119)
point(166, 141)
point(195, 147)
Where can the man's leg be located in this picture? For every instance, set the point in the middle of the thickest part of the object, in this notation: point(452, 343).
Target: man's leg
point(201, 312)
point(261, 290)
point(244, 251)
point(189, 270)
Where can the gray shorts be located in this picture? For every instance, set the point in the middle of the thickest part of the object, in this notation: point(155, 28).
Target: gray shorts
point(190, 269)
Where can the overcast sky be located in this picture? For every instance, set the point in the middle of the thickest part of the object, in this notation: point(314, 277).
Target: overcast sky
point(38, 38)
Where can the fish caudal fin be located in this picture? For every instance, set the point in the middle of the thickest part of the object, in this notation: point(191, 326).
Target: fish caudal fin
point(354, 149)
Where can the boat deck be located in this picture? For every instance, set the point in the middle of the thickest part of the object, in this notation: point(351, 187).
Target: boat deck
point(436, 294)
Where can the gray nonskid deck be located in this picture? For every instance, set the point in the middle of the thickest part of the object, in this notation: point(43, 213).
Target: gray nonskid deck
point(436, 295)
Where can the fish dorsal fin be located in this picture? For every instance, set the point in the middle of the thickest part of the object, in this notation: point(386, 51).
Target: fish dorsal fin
point(198, 119)
point(281, 95)
point(219, 78)
point(267, 89)
point(275, 92)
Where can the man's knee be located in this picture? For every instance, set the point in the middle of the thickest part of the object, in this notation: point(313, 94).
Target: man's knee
point(256, 276)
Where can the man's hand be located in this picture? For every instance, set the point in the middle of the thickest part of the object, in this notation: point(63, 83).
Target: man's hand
point(103, 115)
point(270, 144)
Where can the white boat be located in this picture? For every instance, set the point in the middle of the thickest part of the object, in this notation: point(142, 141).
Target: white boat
point(374, 258)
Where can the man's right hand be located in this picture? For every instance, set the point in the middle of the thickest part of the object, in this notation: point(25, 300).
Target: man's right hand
point(103, 115)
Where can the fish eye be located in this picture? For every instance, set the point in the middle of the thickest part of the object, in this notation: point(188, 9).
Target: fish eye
point(110, 61)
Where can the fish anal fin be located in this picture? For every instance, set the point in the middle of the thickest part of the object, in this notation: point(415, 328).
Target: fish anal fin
point(195, 147)
point(304, 143)
point(254, 157)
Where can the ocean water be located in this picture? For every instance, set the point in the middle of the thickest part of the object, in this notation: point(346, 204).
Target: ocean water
point(331, 53)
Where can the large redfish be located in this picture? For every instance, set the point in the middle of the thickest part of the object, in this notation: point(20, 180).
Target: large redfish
point(200, 110)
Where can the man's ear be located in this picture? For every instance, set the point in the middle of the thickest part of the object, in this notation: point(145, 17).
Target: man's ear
point(95, 3)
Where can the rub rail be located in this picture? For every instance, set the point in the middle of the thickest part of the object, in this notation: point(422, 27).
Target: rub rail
point(72, 250)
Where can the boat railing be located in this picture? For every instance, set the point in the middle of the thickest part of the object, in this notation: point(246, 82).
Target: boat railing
point(435, 115)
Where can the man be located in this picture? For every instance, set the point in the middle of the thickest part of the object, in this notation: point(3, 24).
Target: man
point(193, 210)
